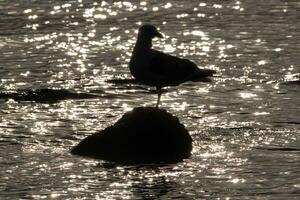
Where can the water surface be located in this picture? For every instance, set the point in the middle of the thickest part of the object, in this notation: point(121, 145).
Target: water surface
point(245, 123)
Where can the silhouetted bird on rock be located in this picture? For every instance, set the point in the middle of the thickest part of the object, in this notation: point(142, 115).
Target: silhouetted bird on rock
point(155, 68)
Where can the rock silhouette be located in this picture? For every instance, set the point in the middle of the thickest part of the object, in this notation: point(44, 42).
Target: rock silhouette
point(292, 83)
point(45, 95)
point(143, 135)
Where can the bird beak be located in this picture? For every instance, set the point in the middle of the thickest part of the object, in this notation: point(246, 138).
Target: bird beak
point(158, 34)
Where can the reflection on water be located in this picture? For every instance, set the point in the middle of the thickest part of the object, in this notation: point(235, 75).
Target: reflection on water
point(245, 123)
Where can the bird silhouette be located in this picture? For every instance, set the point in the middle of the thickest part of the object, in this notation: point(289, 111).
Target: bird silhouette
point(158, 69)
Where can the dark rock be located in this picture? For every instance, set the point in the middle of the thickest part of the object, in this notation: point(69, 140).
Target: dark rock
point(134, 81)
point(292, 83)
point(122, 81)
point(45, 95)
point(143, 135)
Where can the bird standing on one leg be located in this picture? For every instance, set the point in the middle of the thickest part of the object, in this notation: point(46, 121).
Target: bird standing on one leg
point(155, 68)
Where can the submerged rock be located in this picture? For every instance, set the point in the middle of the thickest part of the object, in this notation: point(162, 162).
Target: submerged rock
point(143, 135)
point(292, 83)
point(45, 95)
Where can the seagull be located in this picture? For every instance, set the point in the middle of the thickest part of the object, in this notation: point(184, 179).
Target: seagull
point(154, 68)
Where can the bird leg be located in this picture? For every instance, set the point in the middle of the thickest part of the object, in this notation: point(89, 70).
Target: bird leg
point(159, 95)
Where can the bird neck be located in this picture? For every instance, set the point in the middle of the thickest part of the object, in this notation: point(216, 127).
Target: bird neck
point(143, 42)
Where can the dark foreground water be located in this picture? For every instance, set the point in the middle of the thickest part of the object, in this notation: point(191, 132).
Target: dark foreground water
point(245, 124)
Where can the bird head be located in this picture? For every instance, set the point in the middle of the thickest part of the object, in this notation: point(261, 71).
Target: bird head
point(149, 31)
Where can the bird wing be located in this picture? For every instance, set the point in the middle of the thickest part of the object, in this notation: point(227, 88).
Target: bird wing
point(173, 69)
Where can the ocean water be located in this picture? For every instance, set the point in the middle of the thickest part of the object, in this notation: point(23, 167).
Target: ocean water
point(245, 123)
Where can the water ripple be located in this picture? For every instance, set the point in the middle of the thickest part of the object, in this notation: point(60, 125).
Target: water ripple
point(244, 123)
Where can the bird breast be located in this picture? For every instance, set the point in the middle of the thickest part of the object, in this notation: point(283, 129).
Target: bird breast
point(139, 64)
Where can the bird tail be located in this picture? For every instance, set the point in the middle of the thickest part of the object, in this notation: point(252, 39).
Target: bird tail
point(207, 72)
point(203, 75)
